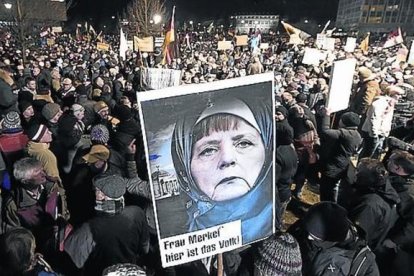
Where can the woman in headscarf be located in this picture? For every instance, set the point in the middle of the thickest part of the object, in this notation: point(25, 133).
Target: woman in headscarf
point(223, 160)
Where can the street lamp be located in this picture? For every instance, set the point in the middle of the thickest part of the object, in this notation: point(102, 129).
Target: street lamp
point(306, 21)
point(8, 6)
point(113, 16)
point(157, 18)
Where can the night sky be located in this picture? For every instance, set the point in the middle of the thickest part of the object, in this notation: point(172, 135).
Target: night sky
point(100, 11)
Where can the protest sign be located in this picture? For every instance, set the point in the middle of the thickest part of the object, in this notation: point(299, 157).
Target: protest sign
point(43, 34)
point(145, 44)
point(350, 44)
point(329, 44)
point(159, 41)
point(102, 46)
point(156, 78)
point(130, 44)
point(224, 45)
point(241, 40)
point(320, 40)
point(402, 55)
point(312, 56)
point(57, 29)
point(411, 56)
point(295, 39)
point(201, 211)
point(340, 85)
point(264, 46)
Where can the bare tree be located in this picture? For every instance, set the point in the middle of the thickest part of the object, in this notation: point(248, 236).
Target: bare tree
point(142, 16)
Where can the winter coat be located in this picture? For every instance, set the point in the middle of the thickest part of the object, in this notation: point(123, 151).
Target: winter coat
point(337, 147)
point(318, 261)
point(403, 231)
point(107, 240)
point(41, 152)
point(8, 99)
point(375, 213)
point(287, 159)
point(379, 117)
point(363, 98)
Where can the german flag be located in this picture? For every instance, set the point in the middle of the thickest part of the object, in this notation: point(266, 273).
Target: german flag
point(169, 45)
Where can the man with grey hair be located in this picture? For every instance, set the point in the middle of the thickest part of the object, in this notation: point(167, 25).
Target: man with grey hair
point(35, 203)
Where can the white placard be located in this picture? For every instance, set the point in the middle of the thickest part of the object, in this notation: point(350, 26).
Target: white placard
point(340, 85)
point(312, 56)
point(320, 40)
point(329, 44)
point(411, 56)
point(350, 44)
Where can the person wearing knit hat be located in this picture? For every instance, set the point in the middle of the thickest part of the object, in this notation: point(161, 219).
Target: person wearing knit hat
point(38, 147)
point(341, 146)
point(124, 270)
point(12, 139)
point(11, 122)
point(278, 255)
point(52, 112)
point(99, 134)
point(330, 242)
point(368, 89)
point(102, 110)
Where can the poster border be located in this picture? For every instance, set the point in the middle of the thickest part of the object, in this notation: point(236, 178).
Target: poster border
point(203, 88)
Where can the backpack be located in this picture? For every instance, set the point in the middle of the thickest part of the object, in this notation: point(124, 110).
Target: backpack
point(343, 262)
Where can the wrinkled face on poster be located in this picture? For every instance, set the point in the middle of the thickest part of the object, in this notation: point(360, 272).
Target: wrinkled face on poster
point(223, 161)
point(227, 156)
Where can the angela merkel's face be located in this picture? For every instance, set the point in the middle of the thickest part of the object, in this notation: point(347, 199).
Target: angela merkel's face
point(225, 164)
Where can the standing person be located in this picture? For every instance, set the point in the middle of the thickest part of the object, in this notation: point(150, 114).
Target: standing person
point(337, 148)
point(368, 88)
point(8, 99)
point(377, 125)
point(116, 234)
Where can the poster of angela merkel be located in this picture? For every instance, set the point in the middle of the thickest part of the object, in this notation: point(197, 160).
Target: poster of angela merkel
point(210, 152)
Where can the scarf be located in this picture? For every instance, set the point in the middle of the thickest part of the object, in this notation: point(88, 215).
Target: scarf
point(110, 206)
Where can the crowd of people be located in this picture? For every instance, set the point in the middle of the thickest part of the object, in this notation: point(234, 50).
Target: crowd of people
point(75, 196)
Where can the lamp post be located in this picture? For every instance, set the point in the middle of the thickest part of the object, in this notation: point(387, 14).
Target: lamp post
point(8, 6)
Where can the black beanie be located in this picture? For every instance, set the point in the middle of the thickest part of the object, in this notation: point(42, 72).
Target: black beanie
point(327, 221)
point(35, 132)
point(350, 119)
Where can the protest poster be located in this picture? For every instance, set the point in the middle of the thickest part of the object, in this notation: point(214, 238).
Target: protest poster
point(350, 44)
point(159, 41)
point(224, 45)
point(320, 40)
point(411, 56)
point(157, 78)
point(145, 44)
point(329, 44)
point(402, 55)
point(50, 42)
point(264, 46)
point(202, 209)
point(56, 29)
point(102, 46)
point(241, 40)
point(312, 56)
point(130, 44)
point(44, 33)
point(340, 85)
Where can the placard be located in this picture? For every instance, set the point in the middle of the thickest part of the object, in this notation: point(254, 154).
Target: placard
point(312, 56)
point(402, 55)
point(241, 40)
point(340, 85)
point(102, 46)
point(211, 181)
point(264, 46)
point(224, 45)
point(57, 29)
point(145, 44)
point(411, 56)
point(350, 44)
point(130, 44)
point(329, 44)
point(320, 40)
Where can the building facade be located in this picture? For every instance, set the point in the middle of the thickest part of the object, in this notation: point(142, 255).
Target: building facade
point(244, 24)
point(376, 15)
